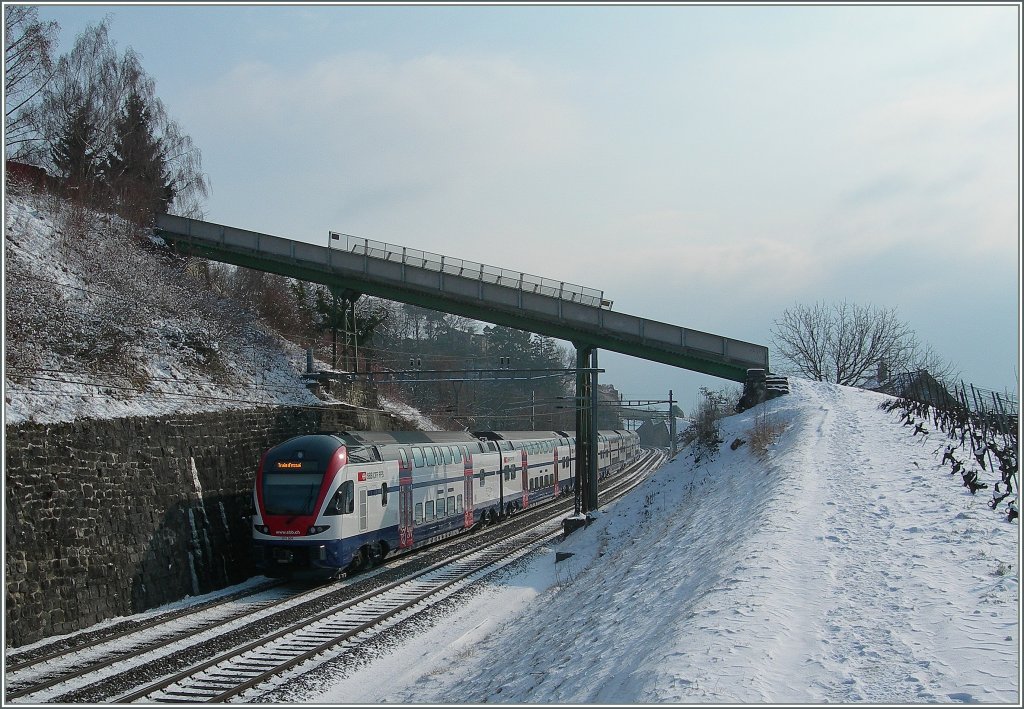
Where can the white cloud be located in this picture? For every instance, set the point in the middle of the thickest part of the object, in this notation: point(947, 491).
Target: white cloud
point(362, 125)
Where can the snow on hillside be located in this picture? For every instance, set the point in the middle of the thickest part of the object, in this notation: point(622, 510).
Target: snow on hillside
point(98, 326)
point(844, 566)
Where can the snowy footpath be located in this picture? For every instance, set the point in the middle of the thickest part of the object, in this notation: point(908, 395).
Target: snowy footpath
point(843, 565)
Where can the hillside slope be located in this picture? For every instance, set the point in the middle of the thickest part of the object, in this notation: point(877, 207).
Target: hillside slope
point(102, 323)
point(843, 565)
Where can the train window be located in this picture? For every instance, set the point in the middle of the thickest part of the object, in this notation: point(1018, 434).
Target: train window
point(429, 514)
point(417, 457)
point(458, 504)
point(440, 507)
point(513, 473)
point(491, 446)
point(418, 515)
point(465, 452)
point(361, 454)
point(447, 452)
point(533, 485)
point(456, 454)
point(506, 473)
point(451, 505)
point(383, 494)
point(403, 457)
point(429, 453)
point(343, 501)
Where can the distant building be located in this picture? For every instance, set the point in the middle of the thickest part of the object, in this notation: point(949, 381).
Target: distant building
point(916, 386)
point(19, 173)
point(654, 434)
point(608, 415)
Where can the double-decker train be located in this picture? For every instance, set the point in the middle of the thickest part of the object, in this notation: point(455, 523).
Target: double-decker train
point(332, 502)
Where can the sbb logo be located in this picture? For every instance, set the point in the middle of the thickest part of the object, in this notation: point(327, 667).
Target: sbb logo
point(362, 476)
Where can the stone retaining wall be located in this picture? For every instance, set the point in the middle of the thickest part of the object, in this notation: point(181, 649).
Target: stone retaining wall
point(106, 518)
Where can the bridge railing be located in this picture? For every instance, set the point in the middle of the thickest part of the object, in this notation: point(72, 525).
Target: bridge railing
point(471, 269)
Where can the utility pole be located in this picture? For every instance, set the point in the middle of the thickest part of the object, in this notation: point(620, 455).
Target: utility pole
point(592, 472)
point(355, 337)
point(671, 426)
point(334, 330)
point(533, 410)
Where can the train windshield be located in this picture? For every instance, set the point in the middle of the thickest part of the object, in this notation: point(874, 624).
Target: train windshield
point(291, 493)
point(293, 473)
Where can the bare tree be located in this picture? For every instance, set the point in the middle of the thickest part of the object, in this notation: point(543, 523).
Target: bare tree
point(847, 343)
point(28, 68)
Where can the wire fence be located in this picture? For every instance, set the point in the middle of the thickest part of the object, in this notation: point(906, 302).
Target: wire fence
point(980, 425)
point(990, 409)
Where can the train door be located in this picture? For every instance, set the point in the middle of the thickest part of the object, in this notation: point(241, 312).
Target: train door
point(467, 462)
point(526, 481)
point(405, 522)
point(554, 466)
point(502, 474)
point(361, 505)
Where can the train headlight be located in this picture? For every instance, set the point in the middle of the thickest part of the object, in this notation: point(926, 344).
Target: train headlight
point(318, 528)
point(262, 528)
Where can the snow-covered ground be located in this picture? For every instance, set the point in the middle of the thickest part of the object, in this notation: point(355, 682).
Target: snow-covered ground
point(843, 566)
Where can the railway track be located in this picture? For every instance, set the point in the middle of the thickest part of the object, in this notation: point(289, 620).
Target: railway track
point(225, 649)
point(231, 674)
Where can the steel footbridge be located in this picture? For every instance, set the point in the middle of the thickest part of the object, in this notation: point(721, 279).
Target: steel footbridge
point(554, 308)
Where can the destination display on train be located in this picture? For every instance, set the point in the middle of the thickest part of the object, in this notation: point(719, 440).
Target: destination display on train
point(298, 466)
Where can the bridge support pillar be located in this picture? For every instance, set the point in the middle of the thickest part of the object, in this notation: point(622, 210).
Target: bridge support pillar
point(586, 428)
point(344, 314)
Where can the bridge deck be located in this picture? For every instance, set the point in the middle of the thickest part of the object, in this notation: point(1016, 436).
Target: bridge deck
point(566, 312)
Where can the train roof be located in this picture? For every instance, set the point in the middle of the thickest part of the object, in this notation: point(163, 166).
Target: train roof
point(369, 438)
point(516, 435)
point(534, 435)
point(377, 438)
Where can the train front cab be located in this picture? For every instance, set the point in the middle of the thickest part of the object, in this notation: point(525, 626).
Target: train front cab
point(322, 507)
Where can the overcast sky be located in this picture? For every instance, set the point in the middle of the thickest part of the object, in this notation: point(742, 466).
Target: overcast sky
point(707, 166)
